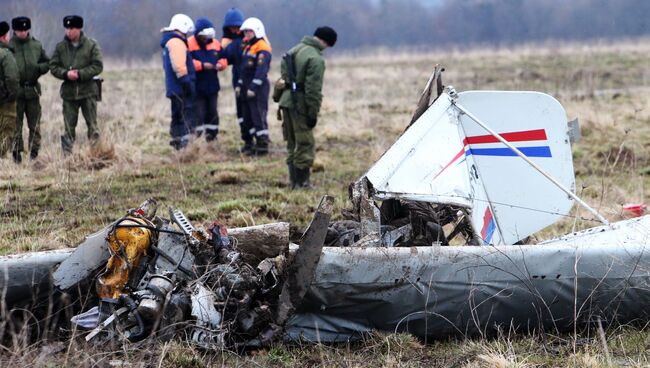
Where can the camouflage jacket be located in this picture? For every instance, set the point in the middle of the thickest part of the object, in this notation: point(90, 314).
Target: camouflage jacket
point(309, 68)
point(85, 57)
point(32, 63)
point(8, 77)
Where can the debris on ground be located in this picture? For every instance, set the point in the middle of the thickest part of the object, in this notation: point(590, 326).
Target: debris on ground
point(435, 243)
point(150, 275)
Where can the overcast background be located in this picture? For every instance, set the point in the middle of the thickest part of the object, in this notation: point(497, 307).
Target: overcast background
point(130, 28)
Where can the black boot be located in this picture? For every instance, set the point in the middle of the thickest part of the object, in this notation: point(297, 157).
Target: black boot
point(33, 154)
point(262, 147)
point(66, 146)
point(292, 176)
point(178, 144)
point(302, 178)
point(247, 148)
point(18, 158)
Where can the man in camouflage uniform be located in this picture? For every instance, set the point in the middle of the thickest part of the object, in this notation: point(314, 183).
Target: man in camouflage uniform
point(300, 107)
point(77, 60)
point(8, 91)
point(32, 63)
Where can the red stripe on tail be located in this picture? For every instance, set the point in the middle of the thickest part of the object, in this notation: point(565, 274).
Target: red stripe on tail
point(523, 136)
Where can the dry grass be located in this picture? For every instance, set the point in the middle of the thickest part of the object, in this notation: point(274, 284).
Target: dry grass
point(53, 202)
point(378, 350)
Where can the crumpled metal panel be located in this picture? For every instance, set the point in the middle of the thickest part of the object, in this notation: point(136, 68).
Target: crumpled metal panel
point(466, 290)
point(89, 256)
point(203, 307)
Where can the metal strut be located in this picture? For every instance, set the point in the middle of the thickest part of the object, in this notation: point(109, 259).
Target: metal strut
point(529, 161)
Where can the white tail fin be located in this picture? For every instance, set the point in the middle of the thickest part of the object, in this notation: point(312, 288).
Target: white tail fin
point(445, 157)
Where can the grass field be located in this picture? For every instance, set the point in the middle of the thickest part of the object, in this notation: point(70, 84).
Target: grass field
point(369, 98)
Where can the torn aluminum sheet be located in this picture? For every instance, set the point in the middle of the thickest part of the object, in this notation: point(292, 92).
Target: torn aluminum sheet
point(206, 333)
point(88, 319)
point(467, 290)
point(301, 271)
point(203, 307)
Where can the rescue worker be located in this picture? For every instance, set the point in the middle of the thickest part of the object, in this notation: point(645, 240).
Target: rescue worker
point(180, 78)
point(232, 52)
point(253, 86)
point(32, 62)
point(300, 107)
point(8, 91)
point(77, 60)
point(205, 48)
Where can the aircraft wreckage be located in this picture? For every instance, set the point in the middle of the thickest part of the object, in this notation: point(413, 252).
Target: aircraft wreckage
point(435, 244)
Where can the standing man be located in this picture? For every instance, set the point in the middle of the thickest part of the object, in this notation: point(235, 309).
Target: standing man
point(253, 86)
point(32, 63)
point(300, 104)
point(8, 91)
point(77, 60)
point(232, 52)
point(180, 78)
point(205, 48)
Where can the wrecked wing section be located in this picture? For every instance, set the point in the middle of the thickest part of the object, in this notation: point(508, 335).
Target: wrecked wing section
point(621, 233)
point(516, 200)
point(468, 291)
point(425, 164)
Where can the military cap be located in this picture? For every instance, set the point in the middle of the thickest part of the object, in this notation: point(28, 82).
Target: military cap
point(4, 28)
point(326, 34)
point(21, 24)
point(73, 21)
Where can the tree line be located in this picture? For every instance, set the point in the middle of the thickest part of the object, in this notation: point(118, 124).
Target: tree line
point(130, 29)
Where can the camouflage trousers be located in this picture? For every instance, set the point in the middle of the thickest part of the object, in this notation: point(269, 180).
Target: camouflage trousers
point(300, 139)
point(7, 127)
point(71, 108)
point(30, 109)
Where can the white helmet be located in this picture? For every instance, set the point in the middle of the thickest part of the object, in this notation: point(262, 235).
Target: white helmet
point(181, 23)
point(207, 32)
point(255, 25)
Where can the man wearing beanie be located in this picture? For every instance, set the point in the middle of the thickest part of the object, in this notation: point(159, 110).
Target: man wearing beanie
point(205, 48)
point(232, 52)
point(300, 101)
point(32, 63)
point(8, 91)
point(77, 60)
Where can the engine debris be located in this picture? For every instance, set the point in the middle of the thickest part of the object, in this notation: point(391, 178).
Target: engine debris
point(162, 276)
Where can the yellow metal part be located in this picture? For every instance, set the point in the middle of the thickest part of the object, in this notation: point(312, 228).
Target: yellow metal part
point(127, 245)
